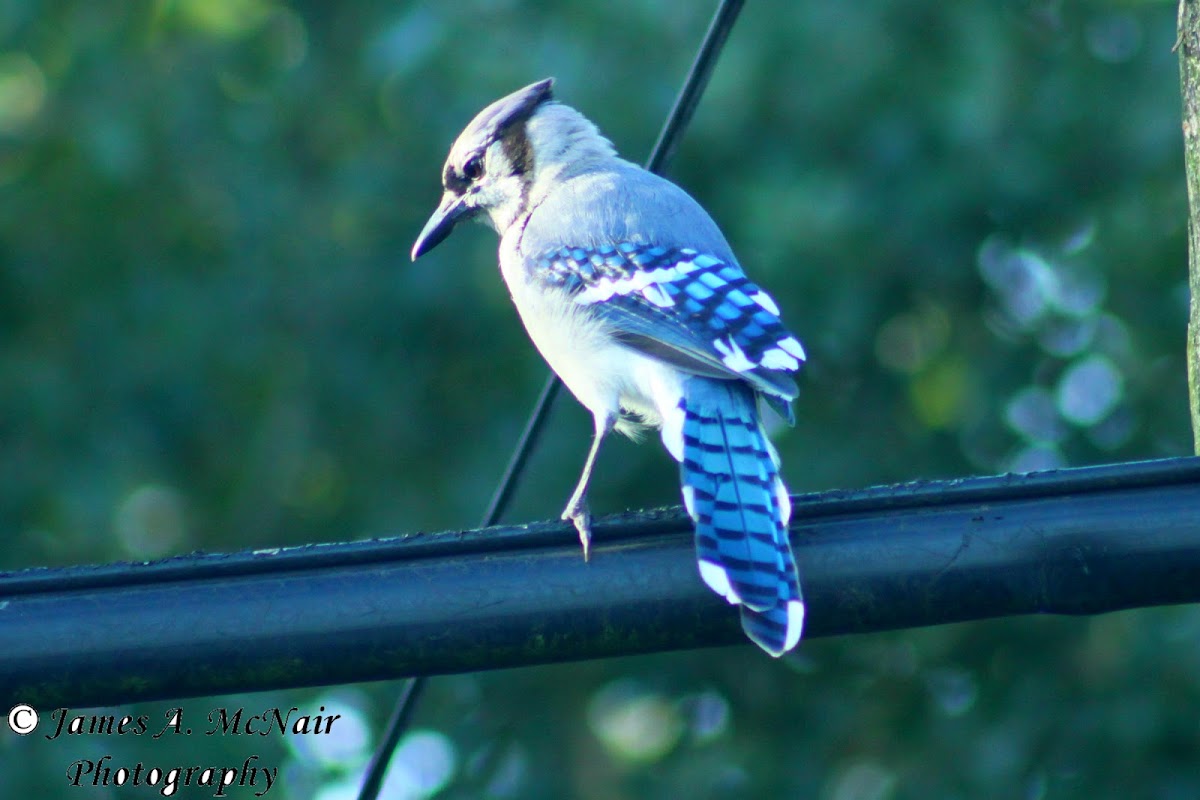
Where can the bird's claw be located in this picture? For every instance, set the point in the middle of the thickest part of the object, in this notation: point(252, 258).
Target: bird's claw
point(579, 515)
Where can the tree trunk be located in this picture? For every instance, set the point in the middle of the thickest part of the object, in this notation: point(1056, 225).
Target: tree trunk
point(1189, 79)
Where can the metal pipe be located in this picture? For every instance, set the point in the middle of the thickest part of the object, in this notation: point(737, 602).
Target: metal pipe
point(1078, 541)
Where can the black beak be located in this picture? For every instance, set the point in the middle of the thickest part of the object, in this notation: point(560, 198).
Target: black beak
point(448, 213)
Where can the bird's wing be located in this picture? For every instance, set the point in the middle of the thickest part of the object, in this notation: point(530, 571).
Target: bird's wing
point(687, 308)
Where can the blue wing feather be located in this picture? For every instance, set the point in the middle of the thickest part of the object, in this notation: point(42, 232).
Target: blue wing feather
point(691, 309)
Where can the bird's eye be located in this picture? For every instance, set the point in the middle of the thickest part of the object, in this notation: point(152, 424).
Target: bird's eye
point(473, 169)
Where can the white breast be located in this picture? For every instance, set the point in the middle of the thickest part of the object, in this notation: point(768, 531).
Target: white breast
point(604, 375)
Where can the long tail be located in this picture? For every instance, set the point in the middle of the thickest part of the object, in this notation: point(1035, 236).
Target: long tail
point(732, 489)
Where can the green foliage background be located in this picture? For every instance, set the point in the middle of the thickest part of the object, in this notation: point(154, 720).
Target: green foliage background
point(972, 213)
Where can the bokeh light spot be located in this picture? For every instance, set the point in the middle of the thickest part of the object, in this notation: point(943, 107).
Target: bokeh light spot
point(1036, 458)
point(403, 45)
point(1114, 37)
point(939, 393)
point(226, 19)
point(22, 91)
point(509, 774)
point(907, 341)
point(344, 742)
point(1022, 279)
point(709, 715)
point(1089, 390)
point(954, 691)
point(861, 780)
point(1033, 413)
point(632, 723)
point(423, 764)
point(1067, 337)
point(150, 521)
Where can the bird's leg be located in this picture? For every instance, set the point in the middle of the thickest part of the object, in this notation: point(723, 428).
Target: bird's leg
point(577, 506)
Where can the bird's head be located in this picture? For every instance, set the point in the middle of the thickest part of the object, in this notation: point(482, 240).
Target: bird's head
point(508, 158)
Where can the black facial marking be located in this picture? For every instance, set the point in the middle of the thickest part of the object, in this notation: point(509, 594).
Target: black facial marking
point(453, 181)
point(516, 148)
point(457, 179)
point(502, 122)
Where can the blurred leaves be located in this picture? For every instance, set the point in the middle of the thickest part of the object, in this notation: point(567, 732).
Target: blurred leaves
point(972, 213)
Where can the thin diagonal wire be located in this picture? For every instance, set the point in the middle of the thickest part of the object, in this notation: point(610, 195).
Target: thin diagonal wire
point(694, 84)
point(413, 687)
point(677, 120)
point(406, 704)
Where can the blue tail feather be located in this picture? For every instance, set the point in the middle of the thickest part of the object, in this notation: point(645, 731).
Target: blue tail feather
point(733, 492)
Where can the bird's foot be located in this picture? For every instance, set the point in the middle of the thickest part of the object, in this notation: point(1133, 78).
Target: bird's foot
point(579, 515)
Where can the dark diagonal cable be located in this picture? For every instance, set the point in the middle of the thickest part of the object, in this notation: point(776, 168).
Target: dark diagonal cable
point(681, 114)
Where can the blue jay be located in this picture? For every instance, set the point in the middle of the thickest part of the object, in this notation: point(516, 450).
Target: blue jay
point(635, 299)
